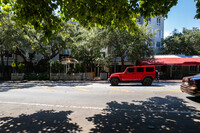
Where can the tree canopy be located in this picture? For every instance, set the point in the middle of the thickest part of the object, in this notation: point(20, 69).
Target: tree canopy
point(48, 14)
point(186, 42)
point(29, 43)
point(128, 46)
point(87, 45)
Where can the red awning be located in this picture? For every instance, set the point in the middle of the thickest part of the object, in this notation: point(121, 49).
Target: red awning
point(171, 61)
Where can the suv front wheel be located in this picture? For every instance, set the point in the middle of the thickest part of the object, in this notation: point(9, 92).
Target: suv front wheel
point(147, 81)
point(114, 81)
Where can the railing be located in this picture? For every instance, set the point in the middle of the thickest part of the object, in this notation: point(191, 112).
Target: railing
point(74, 76)
point(17, 76)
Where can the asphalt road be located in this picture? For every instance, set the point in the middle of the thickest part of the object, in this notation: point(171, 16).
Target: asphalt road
point(97, 107)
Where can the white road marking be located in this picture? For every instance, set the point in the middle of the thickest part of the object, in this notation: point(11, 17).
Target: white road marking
point(51, 105)
point(101, 108)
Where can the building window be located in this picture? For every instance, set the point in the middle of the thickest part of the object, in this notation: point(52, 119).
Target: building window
point(66, 51)
point(140, 20)
point(159, 33)
point(193, 68)
point(158, 44)
point(158, 21)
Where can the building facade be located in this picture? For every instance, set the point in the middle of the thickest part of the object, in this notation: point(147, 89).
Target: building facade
point(174, 66)
point(157, 26)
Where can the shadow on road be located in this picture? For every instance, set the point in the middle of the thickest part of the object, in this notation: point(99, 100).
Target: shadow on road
point(169, 114)
point(195, 99)
point(12, 85)
point(42, 121)
point(157, 84)
point(6, 86)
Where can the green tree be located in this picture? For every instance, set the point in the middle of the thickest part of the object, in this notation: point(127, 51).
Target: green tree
point(29, 43)
point(187, 42)
point(198, 9)
point(134, 46)
point(48, 14)
point(5, 36)
point(57, 67)
point(87, 46)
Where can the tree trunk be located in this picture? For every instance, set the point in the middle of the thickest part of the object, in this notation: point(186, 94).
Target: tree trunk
point(122, 62)
point(2, 64)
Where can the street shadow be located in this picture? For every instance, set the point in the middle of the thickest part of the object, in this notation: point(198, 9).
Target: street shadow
point(168, 83)
point(124, 84)
point(139, 85)
point(157, 115)
point(157, 84)
point(194, 99)
point(42, 121)
point(6, 86)
point(9, 86)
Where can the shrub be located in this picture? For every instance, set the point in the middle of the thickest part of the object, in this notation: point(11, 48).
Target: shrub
point(21, 68)
point(57, 67)
point(36, 76)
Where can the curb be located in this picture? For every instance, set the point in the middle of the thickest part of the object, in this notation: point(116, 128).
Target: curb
point(81, 81)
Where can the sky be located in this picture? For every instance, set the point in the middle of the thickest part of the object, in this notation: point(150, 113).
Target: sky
point(181, 15)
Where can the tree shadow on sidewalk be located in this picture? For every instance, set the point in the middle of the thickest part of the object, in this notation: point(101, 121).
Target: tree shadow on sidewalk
point(42, 121)
point(169, 114)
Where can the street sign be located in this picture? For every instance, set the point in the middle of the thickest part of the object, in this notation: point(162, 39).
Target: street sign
point(13, 64)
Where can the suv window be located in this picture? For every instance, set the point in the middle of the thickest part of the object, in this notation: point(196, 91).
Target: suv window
point(149, 69)
point(130, 70)
point(140, 69)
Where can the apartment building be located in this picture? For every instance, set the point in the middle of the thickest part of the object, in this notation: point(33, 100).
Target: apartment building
point(157, 26)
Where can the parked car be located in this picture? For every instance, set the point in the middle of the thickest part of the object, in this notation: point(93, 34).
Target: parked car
point(143, 74)
point(191, 85)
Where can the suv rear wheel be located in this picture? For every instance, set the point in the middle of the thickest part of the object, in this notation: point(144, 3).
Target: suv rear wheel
point(147, 81)
point(114, 81)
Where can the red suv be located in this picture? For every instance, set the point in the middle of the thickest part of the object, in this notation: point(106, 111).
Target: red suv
point(143, 74)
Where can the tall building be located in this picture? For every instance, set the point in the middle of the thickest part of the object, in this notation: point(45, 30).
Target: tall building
point(157, 25)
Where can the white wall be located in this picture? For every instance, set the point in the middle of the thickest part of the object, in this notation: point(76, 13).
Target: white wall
point(156, 26)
